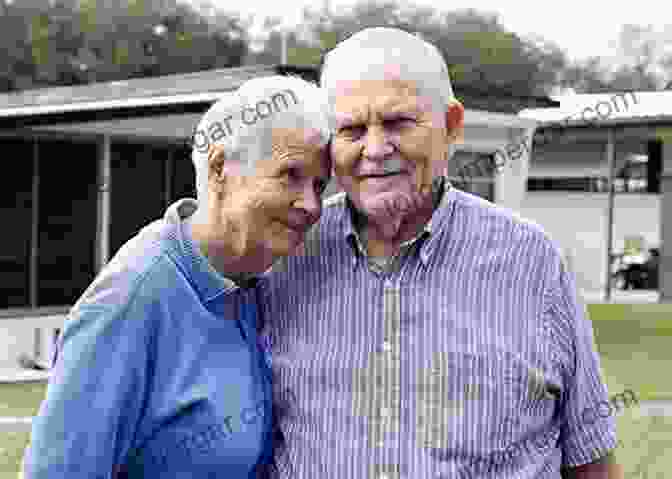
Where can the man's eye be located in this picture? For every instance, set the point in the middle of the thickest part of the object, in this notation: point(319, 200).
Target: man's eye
point(398, 122)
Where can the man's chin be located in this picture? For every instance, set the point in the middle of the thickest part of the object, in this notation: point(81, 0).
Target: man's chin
point(384, 204)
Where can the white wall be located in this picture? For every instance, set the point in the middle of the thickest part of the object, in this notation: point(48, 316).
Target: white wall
point(578, 222)
point(14, 340)
point(17, 337)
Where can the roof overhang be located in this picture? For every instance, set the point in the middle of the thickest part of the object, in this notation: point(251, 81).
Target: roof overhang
point(136, 112)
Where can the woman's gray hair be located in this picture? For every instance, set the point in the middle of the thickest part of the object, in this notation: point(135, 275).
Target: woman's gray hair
point(243, 122)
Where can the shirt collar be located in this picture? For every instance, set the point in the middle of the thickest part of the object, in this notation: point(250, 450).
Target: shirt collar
point(207, 281)
point(443, 194)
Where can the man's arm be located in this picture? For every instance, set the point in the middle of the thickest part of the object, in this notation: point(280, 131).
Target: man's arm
point(588, 439)
point(604, 468)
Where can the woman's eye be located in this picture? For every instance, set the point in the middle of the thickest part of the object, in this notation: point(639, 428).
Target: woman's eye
point(320, 186)
point(292, 173)
point(350, 130)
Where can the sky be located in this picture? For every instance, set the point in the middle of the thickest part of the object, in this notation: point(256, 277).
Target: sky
point(582, 28)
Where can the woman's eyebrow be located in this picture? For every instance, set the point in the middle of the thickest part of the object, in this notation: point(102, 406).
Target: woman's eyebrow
point(341, 120)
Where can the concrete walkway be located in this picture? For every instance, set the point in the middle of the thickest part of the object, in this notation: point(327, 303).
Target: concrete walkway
point(654, 408)
point(618, 296)
point(18, 375)
point(15, 424)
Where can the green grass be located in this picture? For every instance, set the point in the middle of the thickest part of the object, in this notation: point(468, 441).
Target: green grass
point(635, 347)
point(645, 442)
point(21, 399)
point(12, 446)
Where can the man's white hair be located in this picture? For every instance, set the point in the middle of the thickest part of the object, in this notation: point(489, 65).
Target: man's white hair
point(243, 122)
point(372, 52)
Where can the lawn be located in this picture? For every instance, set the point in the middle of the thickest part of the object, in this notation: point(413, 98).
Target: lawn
point(635, 346)
point(21, 399)
point(634, 342)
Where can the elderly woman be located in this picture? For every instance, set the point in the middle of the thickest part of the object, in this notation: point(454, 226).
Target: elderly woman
point(160, 374)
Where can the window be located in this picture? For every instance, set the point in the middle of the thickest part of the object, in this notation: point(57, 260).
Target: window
point(637, 170)
point(183, 178)
point(138, 189)
point(16, 208)
point(67, 220)
point(57, 266)
point(580, 184)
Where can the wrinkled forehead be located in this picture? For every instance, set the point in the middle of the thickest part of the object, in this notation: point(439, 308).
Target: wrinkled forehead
point(303, 148)
point(369, 100)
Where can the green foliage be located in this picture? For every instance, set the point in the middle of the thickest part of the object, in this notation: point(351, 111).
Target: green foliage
point(73, 42)
point(39, 33)
point(87, 16)
point(136, 8)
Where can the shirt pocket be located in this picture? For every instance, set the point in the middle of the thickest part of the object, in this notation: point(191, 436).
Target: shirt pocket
point(478, 403)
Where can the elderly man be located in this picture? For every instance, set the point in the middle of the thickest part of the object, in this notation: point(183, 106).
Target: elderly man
point(160, 372)
point(424, 332)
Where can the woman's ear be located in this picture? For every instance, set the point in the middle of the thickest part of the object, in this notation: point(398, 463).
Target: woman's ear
point(216, 158)
point(455, 122)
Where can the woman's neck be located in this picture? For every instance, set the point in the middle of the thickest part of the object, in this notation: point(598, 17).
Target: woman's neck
point(227, 249)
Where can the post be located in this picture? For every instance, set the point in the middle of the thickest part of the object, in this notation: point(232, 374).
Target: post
point(665, 260)
point(35, 227)
point(284, 33)
point(104, 199)
point(168, 177)
point(610, 211)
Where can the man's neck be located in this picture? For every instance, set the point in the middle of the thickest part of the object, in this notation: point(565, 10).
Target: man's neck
point(379, 245)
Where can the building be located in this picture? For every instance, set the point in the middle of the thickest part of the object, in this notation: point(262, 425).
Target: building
point(91, 165)
point(575, 149)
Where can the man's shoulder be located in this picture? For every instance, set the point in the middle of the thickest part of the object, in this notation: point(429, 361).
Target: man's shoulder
point(478, 216)
point(140, 259)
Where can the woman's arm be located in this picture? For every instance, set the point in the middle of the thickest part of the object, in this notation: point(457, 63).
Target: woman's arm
point(86, 424)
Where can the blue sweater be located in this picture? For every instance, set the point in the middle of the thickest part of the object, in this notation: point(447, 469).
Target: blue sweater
point(159, 374)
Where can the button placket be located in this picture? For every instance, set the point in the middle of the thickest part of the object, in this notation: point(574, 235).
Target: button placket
point(388, 394)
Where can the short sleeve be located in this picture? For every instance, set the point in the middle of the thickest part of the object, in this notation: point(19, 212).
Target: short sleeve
point(86, 424)
point(588, 425)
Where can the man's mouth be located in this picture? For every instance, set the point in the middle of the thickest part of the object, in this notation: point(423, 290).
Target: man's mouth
point(382, 175)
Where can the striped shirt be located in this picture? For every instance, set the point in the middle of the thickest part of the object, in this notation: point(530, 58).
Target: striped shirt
point(471, 356)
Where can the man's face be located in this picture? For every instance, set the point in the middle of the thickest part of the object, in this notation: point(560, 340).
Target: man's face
point(281, 199)
point(388, 141)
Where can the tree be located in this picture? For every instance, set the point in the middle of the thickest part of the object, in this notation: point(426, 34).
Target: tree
point(588, 76)
point(478, 49)
point(70, 42)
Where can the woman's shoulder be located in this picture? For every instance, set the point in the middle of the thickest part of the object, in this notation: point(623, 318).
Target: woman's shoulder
point(143, 259)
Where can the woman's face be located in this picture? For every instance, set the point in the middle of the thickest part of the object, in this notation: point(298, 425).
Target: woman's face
point(280, 200)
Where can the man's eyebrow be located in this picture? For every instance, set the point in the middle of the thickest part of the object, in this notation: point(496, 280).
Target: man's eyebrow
point(399, 108)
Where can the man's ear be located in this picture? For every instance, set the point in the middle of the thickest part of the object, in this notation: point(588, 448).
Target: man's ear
point(455, 122)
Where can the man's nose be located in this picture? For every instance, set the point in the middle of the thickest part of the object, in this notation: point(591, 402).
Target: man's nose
point(377, 144)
